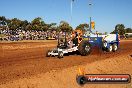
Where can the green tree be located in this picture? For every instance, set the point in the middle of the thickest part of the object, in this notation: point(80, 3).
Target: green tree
point(105, 33)
point(28, 27)
point(120, 28)
point(3, 22)
point(24, 24)
point(128, 30)
point(83, 27)
point(38, 23)
point(64, 26)
point(14, 24)
point(53, 27)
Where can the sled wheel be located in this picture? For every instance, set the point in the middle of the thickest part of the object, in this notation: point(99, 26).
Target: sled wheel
point(114, 47)
point(84, 48)
point(48, 53)
point(60, 54)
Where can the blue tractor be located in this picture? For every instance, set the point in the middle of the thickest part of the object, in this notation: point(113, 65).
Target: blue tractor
point(109, 43)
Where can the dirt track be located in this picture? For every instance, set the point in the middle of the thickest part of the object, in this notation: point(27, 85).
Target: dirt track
point(23, 60)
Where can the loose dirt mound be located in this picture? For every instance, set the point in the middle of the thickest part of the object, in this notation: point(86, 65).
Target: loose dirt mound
point(26, 62)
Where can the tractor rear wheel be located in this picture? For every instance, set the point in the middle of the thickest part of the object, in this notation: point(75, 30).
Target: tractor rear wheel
point(84, 48)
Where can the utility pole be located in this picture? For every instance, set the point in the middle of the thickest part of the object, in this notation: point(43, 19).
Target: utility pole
point(90, 4)
point(71, 9)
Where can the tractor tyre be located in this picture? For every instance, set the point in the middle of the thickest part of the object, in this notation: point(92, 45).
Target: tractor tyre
point(104, 46)
point(84, 48)
point(60, 54)
point(114, 47)
point(104, 49)
point(109, 49)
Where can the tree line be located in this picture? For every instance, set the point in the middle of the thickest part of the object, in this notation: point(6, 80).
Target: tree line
point(120, 28)
point(36, 24)
point(39, 24)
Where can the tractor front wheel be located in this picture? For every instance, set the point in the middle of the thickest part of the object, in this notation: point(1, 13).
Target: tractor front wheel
point(109, 49)
point(114, 47)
